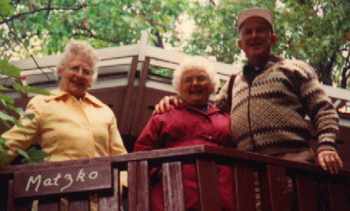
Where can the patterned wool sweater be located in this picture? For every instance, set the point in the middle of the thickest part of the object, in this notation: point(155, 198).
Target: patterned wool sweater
point(268, 116)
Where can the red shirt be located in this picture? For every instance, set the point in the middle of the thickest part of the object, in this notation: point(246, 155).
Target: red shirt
point(188, 126)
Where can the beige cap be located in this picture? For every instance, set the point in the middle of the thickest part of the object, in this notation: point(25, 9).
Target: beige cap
point(254, 12)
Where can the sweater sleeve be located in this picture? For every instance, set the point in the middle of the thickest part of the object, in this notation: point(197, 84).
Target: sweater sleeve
point(318, 105)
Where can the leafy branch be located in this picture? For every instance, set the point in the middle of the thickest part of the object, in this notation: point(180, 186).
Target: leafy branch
point(48, 9)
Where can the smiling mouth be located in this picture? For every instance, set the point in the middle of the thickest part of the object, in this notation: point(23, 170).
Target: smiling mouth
point(256, 45)
point(79, 84)
point(196, 92)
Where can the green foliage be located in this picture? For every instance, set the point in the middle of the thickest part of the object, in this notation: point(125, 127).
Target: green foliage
point(6, 8)
point(103, 22)
point(215, 33)
point(33, 155)
point(9, 114)
point(29, 89)
point(314, 30)
point(8, 69)
point(3, 155)
point(162, 72)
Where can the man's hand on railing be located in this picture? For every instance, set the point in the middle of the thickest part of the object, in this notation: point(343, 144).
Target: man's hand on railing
point(330, 161)
point(166, 104)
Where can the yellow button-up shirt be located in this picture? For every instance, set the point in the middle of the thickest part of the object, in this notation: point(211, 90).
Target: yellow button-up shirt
point(67, 128)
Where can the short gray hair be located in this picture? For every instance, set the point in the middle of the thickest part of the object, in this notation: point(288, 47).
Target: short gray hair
point(195, 63)
point(79, 48)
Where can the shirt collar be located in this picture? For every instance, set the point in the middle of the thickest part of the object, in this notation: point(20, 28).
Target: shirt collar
point(59, 94)
point(211, 109)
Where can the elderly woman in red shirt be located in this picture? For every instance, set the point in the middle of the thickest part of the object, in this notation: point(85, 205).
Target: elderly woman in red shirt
point(196, 122)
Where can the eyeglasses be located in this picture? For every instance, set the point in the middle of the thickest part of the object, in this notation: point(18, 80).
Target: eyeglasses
point(81, 70)
point(198, 79)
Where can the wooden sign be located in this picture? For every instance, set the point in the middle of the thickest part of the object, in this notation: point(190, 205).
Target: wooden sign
point(62, 180)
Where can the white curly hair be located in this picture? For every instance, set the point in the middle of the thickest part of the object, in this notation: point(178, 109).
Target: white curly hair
point(79, 48)
point(195, 63)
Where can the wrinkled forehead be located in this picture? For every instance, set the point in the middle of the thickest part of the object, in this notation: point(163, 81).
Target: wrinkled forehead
point(194, 71)
point(80, 60)
point(254, 22)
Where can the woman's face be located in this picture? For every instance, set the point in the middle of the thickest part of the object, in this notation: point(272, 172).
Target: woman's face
point(195, 87)
point(76, 76)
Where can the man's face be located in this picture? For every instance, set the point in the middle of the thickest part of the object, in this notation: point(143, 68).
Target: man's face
point(195, 87)
point(256, 39)
point(76, 76)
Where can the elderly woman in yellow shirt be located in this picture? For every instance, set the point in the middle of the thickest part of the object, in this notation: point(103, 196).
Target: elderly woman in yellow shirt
point(70, 123)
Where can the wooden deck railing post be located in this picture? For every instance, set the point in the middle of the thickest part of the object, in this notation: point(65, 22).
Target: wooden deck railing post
point(208, 185)
point(138, 182)
point(79, 203)
point(10, 197)
point(339, 195)
point(173, 192)
point(3, 193)
point(307, 192)
point(278, 190)
point(12, 205)
point(284, 185)
point(245, 189)
point(50, 204)
point(112, 202)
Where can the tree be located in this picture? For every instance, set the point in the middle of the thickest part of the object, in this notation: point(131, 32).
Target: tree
point(316, 31)
point(103, 22)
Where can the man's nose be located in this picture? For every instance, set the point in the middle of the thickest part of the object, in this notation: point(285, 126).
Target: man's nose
point(254, 33)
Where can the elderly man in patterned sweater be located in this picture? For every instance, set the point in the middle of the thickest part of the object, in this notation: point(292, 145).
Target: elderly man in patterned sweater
point(271, 97)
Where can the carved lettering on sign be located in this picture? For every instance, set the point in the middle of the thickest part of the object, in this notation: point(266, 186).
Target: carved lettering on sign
point(35, 182)
point(63, 179)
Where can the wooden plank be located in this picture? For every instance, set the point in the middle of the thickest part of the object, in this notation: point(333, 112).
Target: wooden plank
point(51, 204)
point(16, 205)
point(277, 185)
point(245, 188)
point(173, 191)
point(143, 187)
point(79, 203)
point(132, 189)
point(339, 196)
point(128, 106)
point(208, 185)
point(264, 190)
point(62, 180)
point(307, 192)
point(138, 182)
point(3, 193)
point(111, 202)
point(10, 197)
point(140, 95)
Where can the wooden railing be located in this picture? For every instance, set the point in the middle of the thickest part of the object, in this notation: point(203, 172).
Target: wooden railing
point(77, 183)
